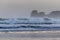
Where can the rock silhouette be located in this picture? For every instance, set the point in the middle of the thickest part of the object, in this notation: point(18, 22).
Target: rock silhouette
point(53, 14)
point(37, 14)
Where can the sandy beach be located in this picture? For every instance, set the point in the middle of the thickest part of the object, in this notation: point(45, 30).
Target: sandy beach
point(30, 35)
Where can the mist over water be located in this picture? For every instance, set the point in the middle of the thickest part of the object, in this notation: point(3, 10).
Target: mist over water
point(23, 8)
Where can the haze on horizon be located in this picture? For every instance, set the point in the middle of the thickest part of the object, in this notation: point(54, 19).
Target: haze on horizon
point(23, 8)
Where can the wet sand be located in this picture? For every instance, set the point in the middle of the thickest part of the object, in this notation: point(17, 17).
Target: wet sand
point(29, 39)
point(38, 35)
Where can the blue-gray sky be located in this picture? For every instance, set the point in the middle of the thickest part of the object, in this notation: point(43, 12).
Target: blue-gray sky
point(23, 8)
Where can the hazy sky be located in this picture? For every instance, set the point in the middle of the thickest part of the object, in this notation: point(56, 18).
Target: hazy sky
point(23, 8)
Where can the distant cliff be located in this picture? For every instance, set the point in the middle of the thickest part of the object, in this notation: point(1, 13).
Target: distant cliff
point(35, 13)
point(53, 14)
